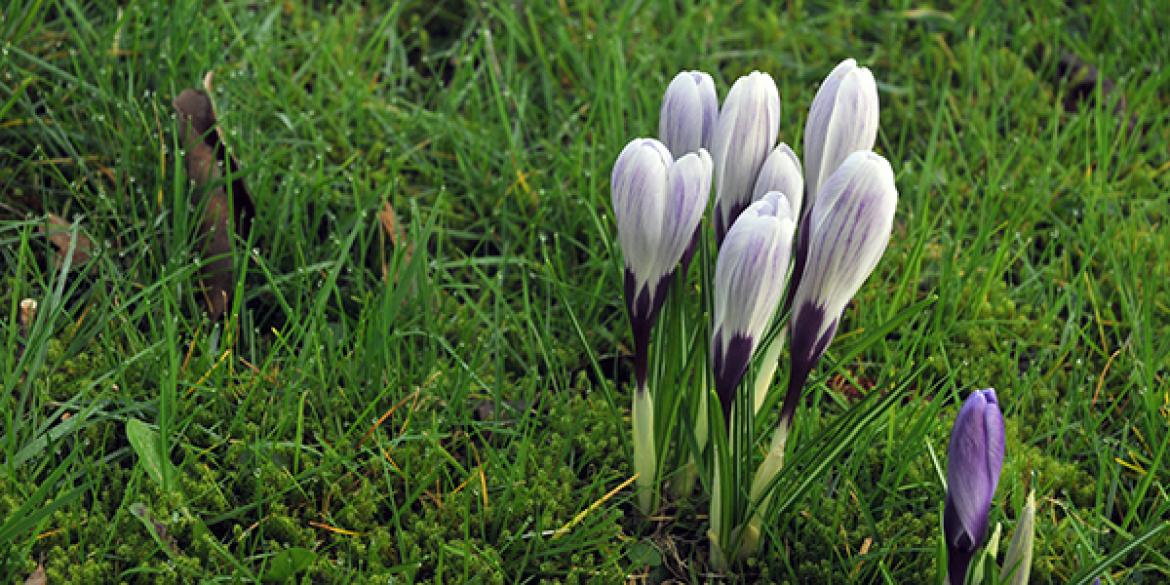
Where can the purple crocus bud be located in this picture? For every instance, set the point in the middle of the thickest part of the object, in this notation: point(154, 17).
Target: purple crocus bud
point(781, 172)
point(689, 111)
point(840, 243)
point(974, 460)
point(843, 118)
point(750, 275)
point(658, 203)
point(744, 136)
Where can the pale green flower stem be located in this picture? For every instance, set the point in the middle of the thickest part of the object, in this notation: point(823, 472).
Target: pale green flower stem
point(645, 458)
point(761, 496)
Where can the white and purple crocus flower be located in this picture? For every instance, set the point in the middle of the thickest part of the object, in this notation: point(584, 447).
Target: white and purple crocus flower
point(658, 203)
point(841, 242)
point(750, 275)
point(974, 461)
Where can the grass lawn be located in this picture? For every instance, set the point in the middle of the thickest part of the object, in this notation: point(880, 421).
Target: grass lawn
point(448, 402)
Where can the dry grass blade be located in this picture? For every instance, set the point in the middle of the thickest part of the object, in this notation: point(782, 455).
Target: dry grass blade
point(28, 312)
point(390, 223)
point(392, 228)
point(225, 212)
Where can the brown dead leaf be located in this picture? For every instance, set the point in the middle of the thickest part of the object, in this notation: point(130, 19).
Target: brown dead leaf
point(206, 160)
point(60, 234)
point(38, 577)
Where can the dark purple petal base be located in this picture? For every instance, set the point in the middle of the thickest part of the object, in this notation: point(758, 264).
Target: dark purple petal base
point(800, 257)
point(729, 368)
point(644, 306)
point(689, 253)
point(721, 228)
point(961, 546)
point(807, 349)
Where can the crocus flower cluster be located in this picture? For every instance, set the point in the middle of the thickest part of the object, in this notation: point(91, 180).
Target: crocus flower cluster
point(845, 195)
point(788, 235)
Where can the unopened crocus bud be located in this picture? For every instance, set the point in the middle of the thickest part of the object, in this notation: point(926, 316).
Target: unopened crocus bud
point(744, 136)
point(1017, 565)
point(843, 237)
point(690, 109)
point(781, 172)
point(974, 461)
point(843, 119)
point(658, 203)
point(750, 274)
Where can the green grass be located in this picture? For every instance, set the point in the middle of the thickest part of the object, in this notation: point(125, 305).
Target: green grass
point(491, 128)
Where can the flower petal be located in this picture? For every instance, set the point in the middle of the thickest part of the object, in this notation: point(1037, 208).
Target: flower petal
point(689, 110)
point(843, 119)
point(639, 202)
point(744, 135)
point(975, 459)
point(688, 185)
point(781, 172)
